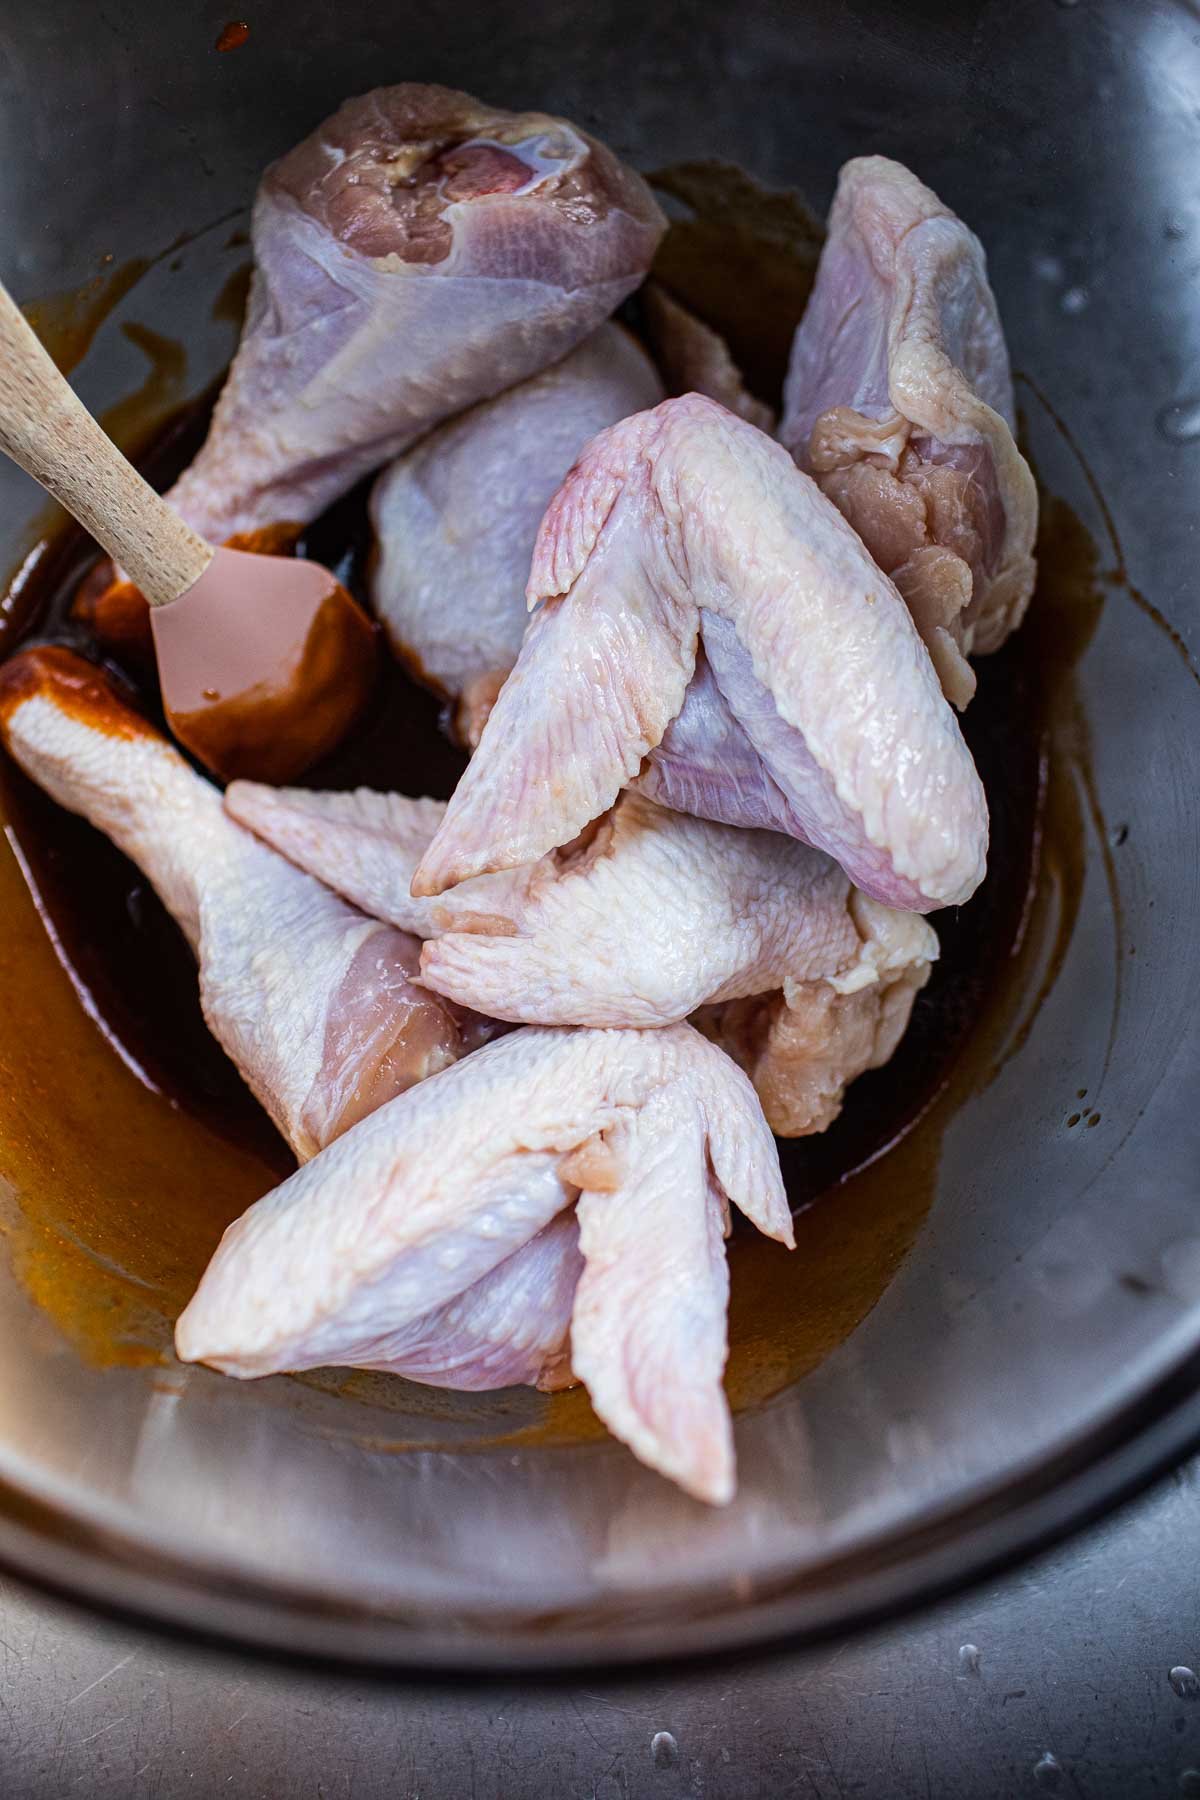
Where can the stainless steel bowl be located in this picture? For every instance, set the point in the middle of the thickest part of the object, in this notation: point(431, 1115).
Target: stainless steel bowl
point(1038, 1347)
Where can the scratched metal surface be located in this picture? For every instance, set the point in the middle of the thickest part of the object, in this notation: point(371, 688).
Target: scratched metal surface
point(1072, 1676)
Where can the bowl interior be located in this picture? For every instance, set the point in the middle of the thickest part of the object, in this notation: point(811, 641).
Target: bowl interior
point(963, 1313)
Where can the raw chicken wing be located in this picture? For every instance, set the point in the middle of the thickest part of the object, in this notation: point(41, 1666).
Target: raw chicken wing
point(685, 526)
point(899, 401)
point(653, 915)
point(510, 1328)
point(654, 1133)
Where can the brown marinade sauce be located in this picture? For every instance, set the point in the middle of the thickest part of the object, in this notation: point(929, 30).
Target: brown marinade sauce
point(76, 685)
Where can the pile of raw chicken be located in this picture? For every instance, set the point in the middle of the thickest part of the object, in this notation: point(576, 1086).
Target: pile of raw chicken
point(708, 663)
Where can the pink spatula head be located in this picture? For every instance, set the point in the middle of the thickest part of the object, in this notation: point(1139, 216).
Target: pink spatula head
point(264, 662)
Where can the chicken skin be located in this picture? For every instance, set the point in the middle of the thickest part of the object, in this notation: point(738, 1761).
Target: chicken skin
point(456, 517)
point(316, 1004)
point(653, 1134)
point(899, 402)
point(682, 527)
point(654, 915)
point(419, 252)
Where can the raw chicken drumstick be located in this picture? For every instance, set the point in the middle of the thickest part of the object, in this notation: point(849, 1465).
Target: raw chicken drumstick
point(684, 527)
point(456, 517)
point(314, 1003)
point(899, 401)
point(653, 1133)
point(419, 252)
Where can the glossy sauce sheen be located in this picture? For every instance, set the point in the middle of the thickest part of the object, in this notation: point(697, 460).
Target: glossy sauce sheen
point(85, 694)
point(130, 1142)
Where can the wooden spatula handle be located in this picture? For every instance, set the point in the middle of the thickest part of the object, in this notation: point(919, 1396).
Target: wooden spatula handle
point(46, 428)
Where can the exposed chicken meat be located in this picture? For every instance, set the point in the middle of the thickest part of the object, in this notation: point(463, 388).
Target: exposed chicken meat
point(686, 525)
point(802, 1047)
point(456, 517)
point(385, 1225)
point(315, 1003)
point(419, 252)
point(695, 359)
point(656, 914)
point(899, 401)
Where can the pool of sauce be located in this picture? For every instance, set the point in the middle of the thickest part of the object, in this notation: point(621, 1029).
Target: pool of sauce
point(126, 1136)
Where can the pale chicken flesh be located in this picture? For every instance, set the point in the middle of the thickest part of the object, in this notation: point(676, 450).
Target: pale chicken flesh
point(316, 1004)
point(899, 402)
point(654, 914)
point(653, 1134)
point(456, 517)
point(686, 527)
point(804, 1045)
point(419, 252)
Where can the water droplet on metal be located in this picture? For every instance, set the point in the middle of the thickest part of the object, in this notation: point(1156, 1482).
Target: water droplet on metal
point(968, 1659)
point(1179, 420)
point(1074, 300)
point(1048, 268)
point(1189, 1781)
point(1047, 1771)
point(1184, 1682)
point(664, 1750)
point(1116, 837)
